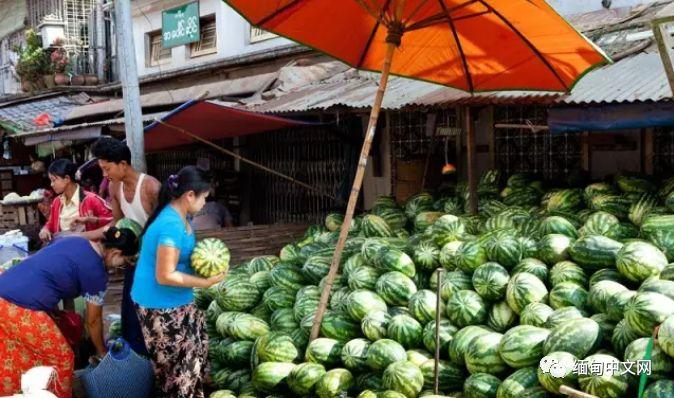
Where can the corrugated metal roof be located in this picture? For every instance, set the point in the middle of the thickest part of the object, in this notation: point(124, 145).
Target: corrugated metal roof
point(639, 78)
point(22, 115)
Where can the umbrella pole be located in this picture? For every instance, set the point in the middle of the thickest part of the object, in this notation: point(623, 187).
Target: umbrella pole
point(355, 191)
point(470, 143)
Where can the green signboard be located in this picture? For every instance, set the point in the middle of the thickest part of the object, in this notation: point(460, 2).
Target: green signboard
point(180, 25)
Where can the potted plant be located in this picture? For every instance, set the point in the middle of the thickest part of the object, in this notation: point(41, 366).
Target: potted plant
point(60, 63)
point(32, 64)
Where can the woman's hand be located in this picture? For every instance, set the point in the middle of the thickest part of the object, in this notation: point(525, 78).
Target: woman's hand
point(215, 279)
point(45, 235)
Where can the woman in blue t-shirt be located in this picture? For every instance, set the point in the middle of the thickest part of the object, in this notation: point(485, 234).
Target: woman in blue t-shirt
point(30, 292)
point(173, 328)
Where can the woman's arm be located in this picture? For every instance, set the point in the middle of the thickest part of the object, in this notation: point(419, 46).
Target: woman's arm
point(94, 323)
point(166, 273)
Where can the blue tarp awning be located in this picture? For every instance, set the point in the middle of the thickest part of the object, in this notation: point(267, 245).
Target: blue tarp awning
point(610, 117)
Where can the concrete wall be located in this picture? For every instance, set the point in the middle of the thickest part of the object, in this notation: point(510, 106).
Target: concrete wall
point(233, 35)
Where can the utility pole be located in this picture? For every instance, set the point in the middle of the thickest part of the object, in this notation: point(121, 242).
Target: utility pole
point(128, 73)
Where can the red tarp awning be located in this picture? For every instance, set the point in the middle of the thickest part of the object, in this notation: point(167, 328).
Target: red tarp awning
point(211, 121)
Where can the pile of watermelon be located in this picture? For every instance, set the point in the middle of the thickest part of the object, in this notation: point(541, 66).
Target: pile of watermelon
point(568, 274)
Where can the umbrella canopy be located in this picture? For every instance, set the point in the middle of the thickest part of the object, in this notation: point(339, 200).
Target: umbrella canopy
point(473, 45)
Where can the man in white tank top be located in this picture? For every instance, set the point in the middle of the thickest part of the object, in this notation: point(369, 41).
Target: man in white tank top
point(133, 195)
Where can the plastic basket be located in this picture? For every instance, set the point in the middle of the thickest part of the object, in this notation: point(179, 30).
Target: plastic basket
point(122, 373)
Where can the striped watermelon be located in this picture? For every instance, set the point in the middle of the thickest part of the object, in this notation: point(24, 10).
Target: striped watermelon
point(622, 336)
point(360, 302)
point(283, 320)
point(303, 378)
point(599, 223)
point(261, 280)
point(606, 274)
point(567, 271)
point(617, 205)
point(209, 257)
point(405, 330)
point(525, 288)
point(237, 297)
point(606, 326)
point(563, 315)
point(656, 285)
point(633, 183)
point(534, 267)
point(290, 254)
point(418, 356)
point(384, 352)
point(481, 385)
point(394, 217)
point(262, 263)
point(553, 248)
point(490, 281)
point(422, 306)
point(306, 302)
point(656, 223)
point(354, 354)
point(535, 314)
point(647, 310)
point(447, 228)
point(354, 262)
point(447, 256)
point(271, 376)
point(462, 341)
point(316, 268)
point(243, 326)
point(522, 346)
point(470, 255)
point(375, 324)
point(339, 326)
point(609, 384)
point(667, 273)
point(338, 297)
point(637, 261)
point(363, 278)
point(558, 225)
point(660, 389)
point(237, 353)
point(577, 336)
point(598, 188)
point(465, 308)
point(277, 297)
point(425, 219)
point(483, 355)
point(663, 240)
point(261, 311)
point(565, 200)
point(662, 365)
point(601, 293)
point(666, 336)
point(426, 256)
point(568, 294)
point(275, 347)
point(324, 351)
point(615, 308)
point(519, 381)
point(501, 317)
point(403, 377)
point(564, 361)
point(368, 381)
point(334, 383)
point(333, 221)
point(446, 334)
point(375, 226)
point(595, 252)
point(454, 281)
point(222, 394)
point(395, 260)
point(450, 376)
point(287, 276)
point(395, 288)
point(418, 203)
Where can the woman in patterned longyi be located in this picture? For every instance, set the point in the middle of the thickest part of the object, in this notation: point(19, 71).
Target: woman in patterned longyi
point(30, 292)
point(173, 327)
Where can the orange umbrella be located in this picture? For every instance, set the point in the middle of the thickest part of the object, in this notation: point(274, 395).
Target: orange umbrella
point(473, 45)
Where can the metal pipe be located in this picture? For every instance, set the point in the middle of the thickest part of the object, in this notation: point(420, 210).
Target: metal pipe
point(100, 41)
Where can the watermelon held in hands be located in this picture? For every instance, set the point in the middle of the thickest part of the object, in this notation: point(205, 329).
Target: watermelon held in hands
point(210, 257)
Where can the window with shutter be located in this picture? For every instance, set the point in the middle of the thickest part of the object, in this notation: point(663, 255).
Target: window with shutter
point(208, 38)
point(157, 55)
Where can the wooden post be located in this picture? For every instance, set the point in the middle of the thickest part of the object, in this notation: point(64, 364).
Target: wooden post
point(491, 136)
point(438, 316)
point(431, 124)
point(648, 152)
point(665, 43)
point(391, 46)
point(472, 178)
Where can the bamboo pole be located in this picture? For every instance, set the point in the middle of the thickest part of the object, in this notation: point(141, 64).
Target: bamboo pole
point(245, 160)
point(391, 46)
point(573, 393)
point(470, 143)
point(438, 316)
